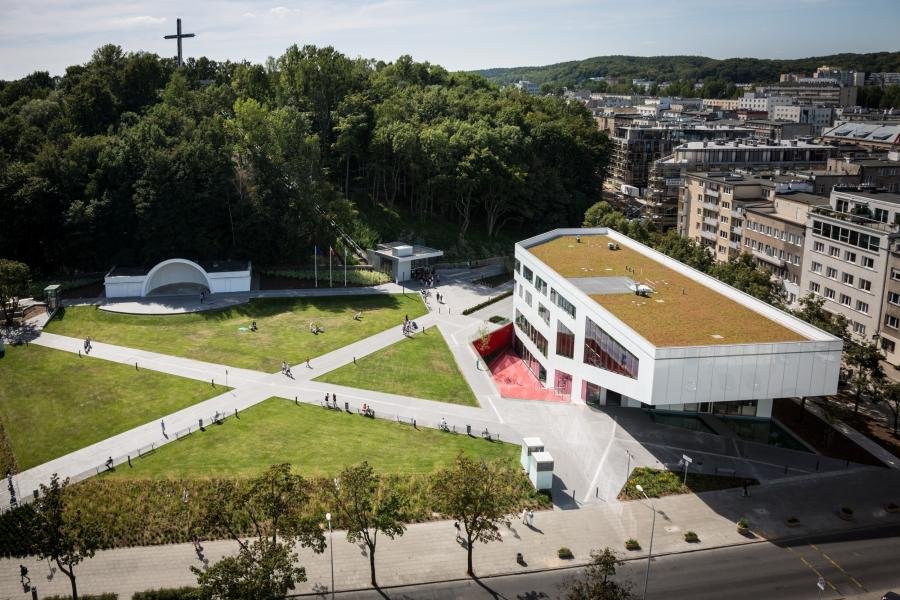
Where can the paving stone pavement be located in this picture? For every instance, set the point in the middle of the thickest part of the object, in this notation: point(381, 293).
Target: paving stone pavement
point(429, 552)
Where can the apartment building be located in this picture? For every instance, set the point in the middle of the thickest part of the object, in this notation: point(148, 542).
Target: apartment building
point(769, 129)
point(812, 92)
point(774, 233)
point(753, 101)
point(847, 257)
point(715, 203)
point(841, 76)
point(890, 310)
point(529, 87)
point(748, 153)
point(818, 116)
point(722, 104)
point(881, 174)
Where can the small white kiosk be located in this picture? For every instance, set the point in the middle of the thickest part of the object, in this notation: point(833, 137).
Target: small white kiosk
point(540, 470)
point(530, 445)
point(401, 260)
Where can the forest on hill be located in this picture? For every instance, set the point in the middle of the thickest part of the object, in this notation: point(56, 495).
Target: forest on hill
point(688, 68)
point(127, 159)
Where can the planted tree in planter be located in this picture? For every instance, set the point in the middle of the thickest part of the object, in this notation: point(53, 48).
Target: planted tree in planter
point(632, 544)
point(367, 507)
point(743, 525)
point(691, 536)
point(480, 496)
point(565, 553)
point(596, 583)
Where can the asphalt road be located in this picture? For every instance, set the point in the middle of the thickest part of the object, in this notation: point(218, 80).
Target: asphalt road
point(851, 564)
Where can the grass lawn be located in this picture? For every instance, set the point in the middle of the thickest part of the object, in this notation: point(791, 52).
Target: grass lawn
point(143, 504)
point(680, 312)
point(216, 336)
point(52, 402)
point(658, 483)
point(318, 442)
point(421, 366)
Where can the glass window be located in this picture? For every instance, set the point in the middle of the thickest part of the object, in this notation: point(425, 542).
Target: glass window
point(894, 298)
point(818, 247)
point(865, 284)
point(526, 273)
point(528, 297)
point(862, 307)
point(830, 272)
point(829, 293)
point(859, 328)
point(816, 267)
point(540, 284)
point(814, 287)
point(887, 345)
point(868, 262)
point(601, 350)
point(565, 341)
point(544, 313)
point(561, 302)
point(845, 300)
point(847, 278)
point(849, 256)
point(892, 321)
point(533, 334)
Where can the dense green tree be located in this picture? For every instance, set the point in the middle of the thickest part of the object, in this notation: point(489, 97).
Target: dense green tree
point(596, 583)
point(812, 310)
point(479, 496)
point(259, 571)
point(367, 506)
point(60, 533)
point(741, 272)
point(683, 249)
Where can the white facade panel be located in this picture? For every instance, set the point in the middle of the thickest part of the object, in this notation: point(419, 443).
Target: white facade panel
point(674, 375)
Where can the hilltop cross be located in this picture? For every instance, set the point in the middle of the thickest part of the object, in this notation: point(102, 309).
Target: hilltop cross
point(178, 37)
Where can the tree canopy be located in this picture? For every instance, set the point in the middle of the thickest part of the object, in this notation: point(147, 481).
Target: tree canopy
point(129, 160)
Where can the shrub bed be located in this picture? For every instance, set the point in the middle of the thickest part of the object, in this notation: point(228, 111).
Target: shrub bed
point(354, 276)
point(498, 298)
point(658, 483)
point(183, 593)
point(150, 512)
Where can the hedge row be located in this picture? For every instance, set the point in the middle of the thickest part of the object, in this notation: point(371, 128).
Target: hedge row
point(469, 311)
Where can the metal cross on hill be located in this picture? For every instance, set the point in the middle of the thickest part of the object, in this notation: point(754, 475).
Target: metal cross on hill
point(178, 37)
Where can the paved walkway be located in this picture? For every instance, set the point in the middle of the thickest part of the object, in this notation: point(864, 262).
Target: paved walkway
point(428, 551)
point(856, 437)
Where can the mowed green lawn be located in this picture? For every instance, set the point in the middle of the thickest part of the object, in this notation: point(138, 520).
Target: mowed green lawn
point(217, 336)
point(421, 366)
point(53, 402)
point(316, 441)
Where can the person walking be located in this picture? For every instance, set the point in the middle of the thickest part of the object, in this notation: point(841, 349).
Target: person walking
point(162, 424)
point(525, 516)
point(459, 536)
point(531, 518)
point(746, 490)
point(307, 363)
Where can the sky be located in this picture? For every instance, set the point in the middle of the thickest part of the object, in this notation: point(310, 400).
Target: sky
point(50, 35)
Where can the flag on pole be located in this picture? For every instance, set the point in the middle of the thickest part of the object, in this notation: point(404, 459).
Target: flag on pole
point(316, 264)
point(345, 267)
point(330, 254)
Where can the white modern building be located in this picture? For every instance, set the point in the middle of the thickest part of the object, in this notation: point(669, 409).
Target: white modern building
point(610, 321)
point(761, 102)
point(400, 260)
point(178, 276)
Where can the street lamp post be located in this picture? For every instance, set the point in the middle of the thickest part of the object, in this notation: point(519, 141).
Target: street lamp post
point(652, 528)
point(331, 550)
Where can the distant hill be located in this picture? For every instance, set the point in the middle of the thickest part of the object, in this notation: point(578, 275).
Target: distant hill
point(672, 68)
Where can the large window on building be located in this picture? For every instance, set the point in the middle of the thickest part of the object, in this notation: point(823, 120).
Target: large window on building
point(540, 285)
point(561, 302)
point(527, 274)
point(565, 341)
point(601, 350)
point(847, 236)
point(533, 334)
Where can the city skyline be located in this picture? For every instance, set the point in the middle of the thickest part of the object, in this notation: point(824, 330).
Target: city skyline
point(462, 36)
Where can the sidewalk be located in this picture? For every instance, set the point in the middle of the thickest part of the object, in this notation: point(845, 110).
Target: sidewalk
point(428, 551)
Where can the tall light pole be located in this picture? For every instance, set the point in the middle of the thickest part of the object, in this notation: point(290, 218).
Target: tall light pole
point(331, 549)
point(652, 528)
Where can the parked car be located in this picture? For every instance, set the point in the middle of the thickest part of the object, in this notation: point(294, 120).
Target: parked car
point(891, 596)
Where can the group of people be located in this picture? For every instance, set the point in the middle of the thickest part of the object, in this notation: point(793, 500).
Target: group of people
point(409, 326)
point(367, 411)
point(331, 401)
point(315, 328)
point(286, 368)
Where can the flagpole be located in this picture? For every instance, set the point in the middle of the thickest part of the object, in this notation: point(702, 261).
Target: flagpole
point(345, 267)
point(316, 264)
point(330, 252)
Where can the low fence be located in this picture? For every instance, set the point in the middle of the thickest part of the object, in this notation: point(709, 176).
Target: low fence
point(216, 418)
point(472, 264)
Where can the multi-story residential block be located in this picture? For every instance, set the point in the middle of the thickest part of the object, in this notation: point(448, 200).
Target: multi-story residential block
point(818, 116)
point(847, 253)
point(775, 232)
point(714, 205)
point(762, 102)
point(723, 104)
point(528, 87)
point(841, 76)
point(883, 79)
point(878, 173)
point(768, 129)
point(812, 92)
point(748, 153)
point(890, 310)
point(606, 320)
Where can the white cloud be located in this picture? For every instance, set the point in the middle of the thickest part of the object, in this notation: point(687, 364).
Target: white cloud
point(280, 12)
point(248, 15)
point(141, 21)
